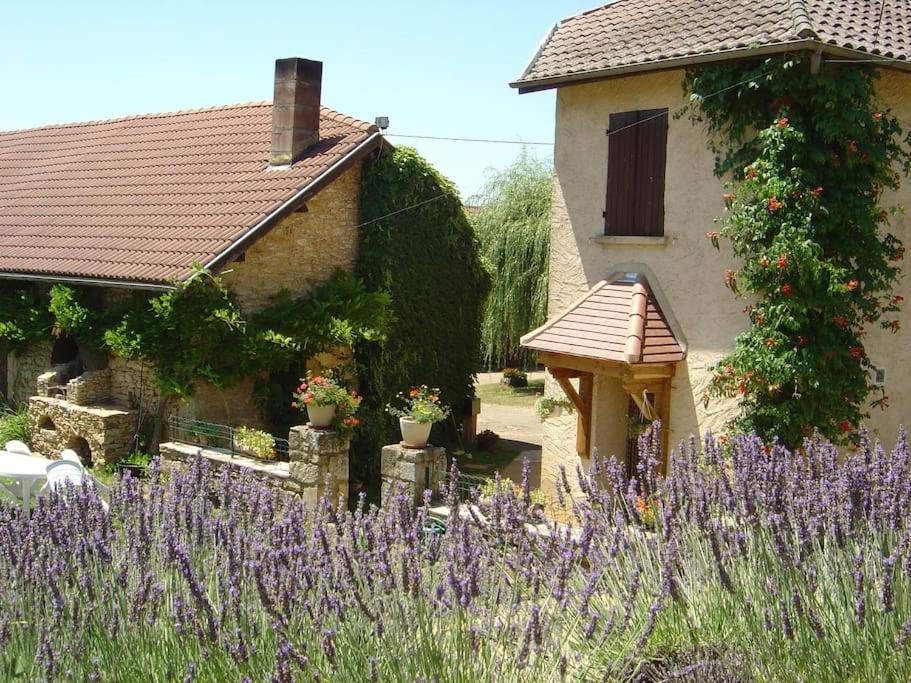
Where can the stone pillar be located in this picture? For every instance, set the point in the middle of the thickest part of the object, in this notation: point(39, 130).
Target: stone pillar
point(315, 457)
point(414, 469)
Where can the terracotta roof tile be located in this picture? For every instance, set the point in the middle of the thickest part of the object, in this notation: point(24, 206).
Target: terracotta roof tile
point(143, 198)
point(631, 33)
point(616, 320)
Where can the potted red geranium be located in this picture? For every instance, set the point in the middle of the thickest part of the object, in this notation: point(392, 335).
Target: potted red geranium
point(328, 404)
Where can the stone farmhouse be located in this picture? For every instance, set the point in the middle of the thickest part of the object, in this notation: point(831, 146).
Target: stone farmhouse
point(264, 193)
point(638, 310)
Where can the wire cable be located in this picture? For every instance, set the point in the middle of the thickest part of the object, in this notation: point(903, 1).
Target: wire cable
point(439, 137)
point(393, 213)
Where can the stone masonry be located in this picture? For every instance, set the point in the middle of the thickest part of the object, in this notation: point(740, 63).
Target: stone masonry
point(412, 469)
point(99, 433)
point(318, 459)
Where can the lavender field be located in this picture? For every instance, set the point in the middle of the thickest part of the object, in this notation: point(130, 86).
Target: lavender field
point(747, 564)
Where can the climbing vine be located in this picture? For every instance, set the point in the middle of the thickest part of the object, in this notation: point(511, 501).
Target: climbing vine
point(197, 331)
point(418, 245)
point(808, 156)
point(24, 316)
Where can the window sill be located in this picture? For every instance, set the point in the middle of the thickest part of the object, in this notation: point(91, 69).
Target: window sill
point(631, 240)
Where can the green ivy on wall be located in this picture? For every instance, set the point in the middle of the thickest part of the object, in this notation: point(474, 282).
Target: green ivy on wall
point(808, 156)
point(418, 245)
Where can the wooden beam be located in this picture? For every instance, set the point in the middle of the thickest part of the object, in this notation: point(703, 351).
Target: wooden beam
point(664, 412)
point(582, 400)
point(592, 365)
point(565, 372)
point(584, 421)
point(570, 392)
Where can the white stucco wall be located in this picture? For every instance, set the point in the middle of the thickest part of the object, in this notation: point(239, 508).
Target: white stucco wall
point(687, 269)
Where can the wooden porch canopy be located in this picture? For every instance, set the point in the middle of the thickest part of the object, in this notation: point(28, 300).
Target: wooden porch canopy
point(617, 329)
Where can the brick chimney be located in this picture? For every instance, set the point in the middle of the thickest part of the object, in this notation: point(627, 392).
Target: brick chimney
point(295, 109)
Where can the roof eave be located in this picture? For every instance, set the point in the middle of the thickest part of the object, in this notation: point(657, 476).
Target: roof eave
point(90, 281)
point(535, 85)
point(372, 142)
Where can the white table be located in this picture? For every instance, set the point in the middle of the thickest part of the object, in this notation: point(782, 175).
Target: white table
point(26, 471)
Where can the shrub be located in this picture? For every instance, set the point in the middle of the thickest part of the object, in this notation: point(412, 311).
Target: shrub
point(513, 377)
point(762, 564)
point(487, 439)
point(14, 425)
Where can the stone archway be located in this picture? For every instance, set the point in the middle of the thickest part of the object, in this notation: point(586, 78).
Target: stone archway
point(83, 450)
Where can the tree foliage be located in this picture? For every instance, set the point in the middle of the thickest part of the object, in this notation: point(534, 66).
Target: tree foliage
point(418, 245)
point(24, 316)
point(513, 225)
point(808, 157)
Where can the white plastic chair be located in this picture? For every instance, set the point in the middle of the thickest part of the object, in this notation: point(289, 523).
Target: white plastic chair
point(71, 455)
point(16, 446)
point(64, 471)
point(60, 472)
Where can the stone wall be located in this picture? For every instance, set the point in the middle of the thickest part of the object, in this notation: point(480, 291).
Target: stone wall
point(100, 434)
point(91, 387)
point(177, 457)
point(412, 470)
point(304, 249)
point(25, 366)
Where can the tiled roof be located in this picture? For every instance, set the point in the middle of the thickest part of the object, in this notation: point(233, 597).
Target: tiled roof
point(617, 320)
point(141, 199)
point(629, 35)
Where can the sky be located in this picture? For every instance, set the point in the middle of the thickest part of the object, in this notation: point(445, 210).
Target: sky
point(434, 68)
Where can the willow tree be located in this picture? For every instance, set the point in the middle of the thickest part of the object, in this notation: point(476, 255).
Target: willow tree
point(513, 226)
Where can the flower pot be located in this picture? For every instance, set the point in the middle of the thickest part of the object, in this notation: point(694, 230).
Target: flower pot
point(320, 416)
point(414, 434)
point(135, 470)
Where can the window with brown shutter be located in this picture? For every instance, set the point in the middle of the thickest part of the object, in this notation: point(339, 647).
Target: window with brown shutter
point(636, 158)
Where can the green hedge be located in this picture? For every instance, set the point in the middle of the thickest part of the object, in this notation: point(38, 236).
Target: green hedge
point(427, 258)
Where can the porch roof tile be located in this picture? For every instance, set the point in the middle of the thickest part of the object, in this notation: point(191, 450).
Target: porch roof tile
point(608, 324)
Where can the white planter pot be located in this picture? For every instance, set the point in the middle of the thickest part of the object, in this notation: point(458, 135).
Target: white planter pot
point(414, 434)
point(320, 416)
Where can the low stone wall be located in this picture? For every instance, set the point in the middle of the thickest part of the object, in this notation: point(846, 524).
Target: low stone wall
point(412, 470)
point(175, 456)
point(318, 464)
point(100, 434)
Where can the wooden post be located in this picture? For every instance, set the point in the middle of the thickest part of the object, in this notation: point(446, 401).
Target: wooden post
point(582, 400)
point(584, 421)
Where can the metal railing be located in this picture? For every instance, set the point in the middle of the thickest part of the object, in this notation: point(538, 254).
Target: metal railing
point(467, 484)
point(223, 437)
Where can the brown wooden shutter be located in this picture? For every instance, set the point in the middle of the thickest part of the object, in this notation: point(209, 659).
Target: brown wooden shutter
point(619, 207)
point(636, 160)
point(651, 159)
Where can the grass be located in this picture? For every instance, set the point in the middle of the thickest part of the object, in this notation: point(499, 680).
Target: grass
point(501, 395)
point(14, 425)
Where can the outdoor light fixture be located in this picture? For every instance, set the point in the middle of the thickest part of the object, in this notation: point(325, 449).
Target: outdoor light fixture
point(382, 122)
